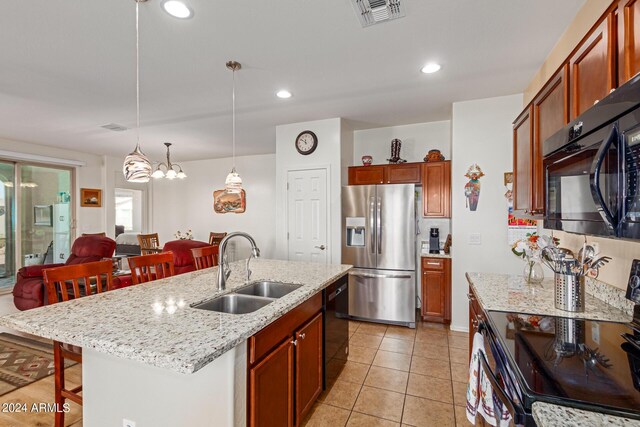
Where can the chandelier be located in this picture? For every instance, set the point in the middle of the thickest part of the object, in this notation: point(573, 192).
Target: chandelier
point(170, 168)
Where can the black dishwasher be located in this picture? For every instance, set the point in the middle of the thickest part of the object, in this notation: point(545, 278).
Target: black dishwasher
point(336, 327)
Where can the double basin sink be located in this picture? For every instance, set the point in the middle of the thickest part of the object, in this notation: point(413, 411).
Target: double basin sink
point(249, 298)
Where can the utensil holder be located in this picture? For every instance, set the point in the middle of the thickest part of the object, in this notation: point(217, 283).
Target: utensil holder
point(569, 292)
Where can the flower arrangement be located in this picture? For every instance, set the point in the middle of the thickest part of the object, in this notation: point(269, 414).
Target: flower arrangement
point(188, 235)
point(530, 249)
point(532, 245)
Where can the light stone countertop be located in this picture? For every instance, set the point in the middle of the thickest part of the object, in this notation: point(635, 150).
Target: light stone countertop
point(504, 292)
point(549, 415)
point(124, 323)
point(428, 255)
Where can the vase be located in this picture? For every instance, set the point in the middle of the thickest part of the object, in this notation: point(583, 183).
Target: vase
point(533, 272)
point(367, 160)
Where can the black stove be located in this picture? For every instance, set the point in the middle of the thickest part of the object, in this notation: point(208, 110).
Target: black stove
point(594, 365)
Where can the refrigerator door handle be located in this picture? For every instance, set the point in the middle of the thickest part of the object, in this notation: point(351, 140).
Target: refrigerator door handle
point(379, 225)
point(381, 276)
point(372, 219)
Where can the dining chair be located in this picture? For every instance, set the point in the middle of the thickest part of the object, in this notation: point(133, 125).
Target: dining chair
point(63, 284)
point(146, 268)
point(205, 257)
point(149, 243)
point(216, 238)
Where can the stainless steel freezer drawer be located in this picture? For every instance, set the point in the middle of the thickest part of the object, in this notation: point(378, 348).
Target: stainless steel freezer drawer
point(387, 296)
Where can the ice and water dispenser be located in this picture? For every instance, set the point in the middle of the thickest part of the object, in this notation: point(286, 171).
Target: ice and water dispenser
point(355, 231)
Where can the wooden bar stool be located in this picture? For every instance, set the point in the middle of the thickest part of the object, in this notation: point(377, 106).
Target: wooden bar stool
point(205, 257)
point(149, 243)
point(216, 238)
point(64, 284)
point(146, 268)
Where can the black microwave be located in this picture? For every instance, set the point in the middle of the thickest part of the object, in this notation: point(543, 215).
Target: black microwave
point(592, 169)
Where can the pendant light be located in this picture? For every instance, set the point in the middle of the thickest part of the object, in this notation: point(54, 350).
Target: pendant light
point(137, 167)
point(233, 183)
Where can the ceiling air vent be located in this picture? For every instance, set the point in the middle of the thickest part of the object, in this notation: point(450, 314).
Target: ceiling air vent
point(114, 127)
point(376, 11)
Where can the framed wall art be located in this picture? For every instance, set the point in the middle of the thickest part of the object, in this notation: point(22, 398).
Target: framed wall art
point(90, 197)
point(43, 215)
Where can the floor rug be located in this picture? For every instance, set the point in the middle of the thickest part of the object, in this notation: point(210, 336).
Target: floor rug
point(24, 361)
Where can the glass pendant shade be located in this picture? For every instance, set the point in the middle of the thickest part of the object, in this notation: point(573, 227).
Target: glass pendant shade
point(181, 175)
point(136, 167)
point(171, 174)
point(157, 174)
point(233, 183)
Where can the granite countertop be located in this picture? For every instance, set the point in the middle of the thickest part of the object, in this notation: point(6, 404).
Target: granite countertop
point(428, 255)
point(549, 415)
point(503, 292)
point(130, 323)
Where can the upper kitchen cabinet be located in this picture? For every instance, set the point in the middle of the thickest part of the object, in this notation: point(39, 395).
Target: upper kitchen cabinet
point(367, 175)
point(593, 71)
point(522, 161)
point(628, 39)
point(436, 189)
point(550, 114)
point(403, 173)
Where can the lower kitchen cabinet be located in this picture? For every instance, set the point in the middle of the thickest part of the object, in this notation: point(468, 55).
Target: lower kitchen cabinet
point(285, 367)
point(436, 290)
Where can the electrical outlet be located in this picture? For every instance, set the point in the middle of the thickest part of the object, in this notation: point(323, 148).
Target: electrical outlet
point(595, 332)
point(128, 423)
point(475, 239)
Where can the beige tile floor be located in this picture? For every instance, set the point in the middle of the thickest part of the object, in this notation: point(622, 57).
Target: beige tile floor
point(397, 376)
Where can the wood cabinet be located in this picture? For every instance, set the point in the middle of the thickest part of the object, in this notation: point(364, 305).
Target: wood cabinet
point(271, 388)
point(593, 70)
point(476, 314)
point(628, 39)
point(550, 114)
point(285, 367)
point(308, 365)
point(436, 189)
point(436, 290)
point(367, 175)
point(522, 161)
point(403, 173)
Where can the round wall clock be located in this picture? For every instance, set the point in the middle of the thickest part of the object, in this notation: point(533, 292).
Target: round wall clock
point(306, 142)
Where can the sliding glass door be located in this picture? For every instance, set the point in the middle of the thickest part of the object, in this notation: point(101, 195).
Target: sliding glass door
point(7, 225)
point(45, 214)
point(35, 217)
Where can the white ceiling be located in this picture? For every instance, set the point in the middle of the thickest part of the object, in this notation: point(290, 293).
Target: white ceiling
point(67, 67)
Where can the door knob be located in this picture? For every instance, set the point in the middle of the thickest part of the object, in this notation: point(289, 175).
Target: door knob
point(321, 247)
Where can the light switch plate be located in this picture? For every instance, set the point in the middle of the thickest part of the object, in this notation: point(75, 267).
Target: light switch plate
point(475, 239)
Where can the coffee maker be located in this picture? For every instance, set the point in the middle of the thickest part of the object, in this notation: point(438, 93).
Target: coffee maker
point(434, 240)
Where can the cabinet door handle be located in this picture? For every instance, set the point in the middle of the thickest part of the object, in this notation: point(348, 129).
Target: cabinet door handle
point(302, 336)
point(434, 263)
point(294, 342)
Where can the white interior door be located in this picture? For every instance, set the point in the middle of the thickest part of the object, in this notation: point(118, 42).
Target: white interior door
point(307, 220)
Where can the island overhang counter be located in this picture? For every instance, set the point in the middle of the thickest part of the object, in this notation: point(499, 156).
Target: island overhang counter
point(150, 357)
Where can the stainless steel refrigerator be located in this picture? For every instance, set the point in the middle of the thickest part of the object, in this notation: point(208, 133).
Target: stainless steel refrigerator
point(378, 239)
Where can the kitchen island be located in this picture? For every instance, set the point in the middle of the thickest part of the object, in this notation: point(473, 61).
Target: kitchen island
point(150, 357)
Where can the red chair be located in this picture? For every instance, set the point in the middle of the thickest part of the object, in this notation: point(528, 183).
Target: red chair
point(182, 256)
point(205, 257)
point(146, 268)
point(29, 290)
point(64, 283)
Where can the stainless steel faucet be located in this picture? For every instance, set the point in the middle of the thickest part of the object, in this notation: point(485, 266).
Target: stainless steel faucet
point(223, 264)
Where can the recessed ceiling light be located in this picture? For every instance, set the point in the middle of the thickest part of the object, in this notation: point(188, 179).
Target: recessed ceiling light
point(177, 9)
point(284, 94)
point(430, 68)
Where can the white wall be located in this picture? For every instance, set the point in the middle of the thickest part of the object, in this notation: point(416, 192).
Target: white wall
point(417, 140)
point(482, 134)
point(328, 153)
point(188, 204)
